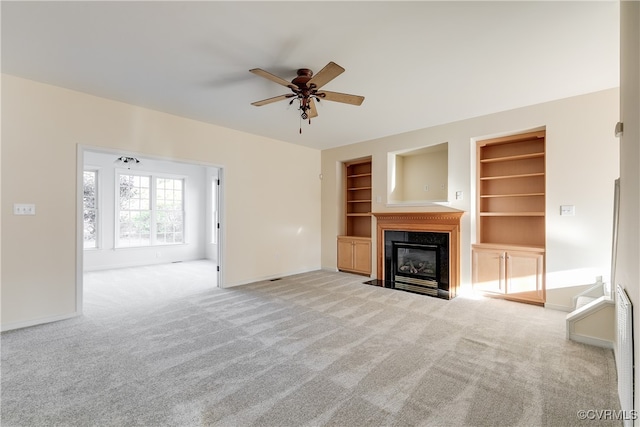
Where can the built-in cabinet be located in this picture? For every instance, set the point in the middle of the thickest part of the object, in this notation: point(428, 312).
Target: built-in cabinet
point(516, 273)
point(508, 258)
point(354, 246)
point(354, 254)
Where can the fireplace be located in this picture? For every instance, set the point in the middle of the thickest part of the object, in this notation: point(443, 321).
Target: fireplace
point(419, 252)
point(415, 267)
point(417, 261)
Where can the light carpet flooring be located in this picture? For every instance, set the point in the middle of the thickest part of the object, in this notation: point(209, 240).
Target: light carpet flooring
point(161, 346)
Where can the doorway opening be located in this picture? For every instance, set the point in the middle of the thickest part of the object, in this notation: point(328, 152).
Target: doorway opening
point(140, 217)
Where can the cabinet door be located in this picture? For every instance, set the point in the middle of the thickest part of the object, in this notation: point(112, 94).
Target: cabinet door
point(525, 275)
point(345, 254)
point(488, 270)
point(362, 256)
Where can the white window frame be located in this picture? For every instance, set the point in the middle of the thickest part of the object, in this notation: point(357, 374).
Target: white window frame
point(153, 242)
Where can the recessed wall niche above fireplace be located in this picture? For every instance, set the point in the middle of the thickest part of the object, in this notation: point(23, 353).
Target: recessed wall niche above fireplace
point(419, 252)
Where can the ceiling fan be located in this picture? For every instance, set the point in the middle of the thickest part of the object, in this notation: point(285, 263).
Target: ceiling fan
point(306, 89)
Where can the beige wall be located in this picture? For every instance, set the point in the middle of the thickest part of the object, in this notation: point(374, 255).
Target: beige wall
point(582, 164)
point(271, 205)
point(628, 265)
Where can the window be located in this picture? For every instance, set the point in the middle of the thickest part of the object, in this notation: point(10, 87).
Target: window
point(151, 211)
point(90, 208)
point(169, 215)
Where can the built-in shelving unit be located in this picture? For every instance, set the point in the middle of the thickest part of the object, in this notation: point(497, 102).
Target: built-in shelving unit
point(354, 246)
point(511, 217)
point(358, 198)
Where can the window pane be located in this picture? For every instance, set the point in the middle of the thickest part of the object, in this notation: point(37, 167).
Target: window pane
point(90, 232)
point(90, 209)
point(135, 213)
point(127, 190)
point(134, 228)
point(89, 196)
point(169, 227)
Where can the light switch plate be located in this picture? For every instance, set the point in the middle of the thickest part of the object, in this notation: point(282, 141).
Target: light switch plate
point(567, 210)
point(24, 209)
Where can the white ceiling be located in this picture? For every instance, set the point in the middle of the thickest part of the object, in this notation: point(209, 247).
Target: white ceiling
point(418, 64)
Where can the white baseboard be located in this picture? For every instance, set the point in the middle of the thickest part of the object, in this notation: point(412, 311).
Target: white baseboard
point(120, 266)
point(36, 322)
point(598, 342)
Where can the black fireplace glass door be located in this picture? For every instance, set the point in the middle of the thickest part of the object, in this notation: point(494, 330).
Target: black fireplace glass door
point(417, 260)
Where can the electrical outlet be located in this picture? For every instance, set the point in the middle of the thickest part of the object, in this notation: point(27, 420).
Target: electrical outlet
point(24, 209)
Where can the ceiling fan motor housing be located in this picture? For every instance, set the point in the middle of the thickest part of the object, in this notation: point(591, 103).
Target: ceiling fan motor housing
point(303, 91)
point(304, 75)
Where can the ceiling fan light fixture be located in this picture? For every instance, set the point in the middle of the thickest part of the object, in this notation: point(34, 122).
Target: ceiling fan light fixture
point(127, 162)
point(305, 88)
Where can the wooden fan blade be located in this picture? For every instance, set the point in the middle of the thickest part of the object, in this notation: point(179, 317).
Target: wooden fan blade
point(324, 76)
point(313, 112)
point(262, 73)
point(270, 100)
point(341, 97)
